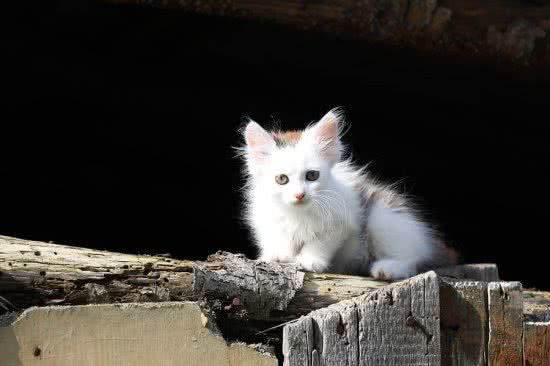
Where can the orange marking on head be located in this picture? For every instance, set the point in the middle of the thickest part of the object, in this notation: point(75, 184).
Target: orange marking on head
point(283, 138)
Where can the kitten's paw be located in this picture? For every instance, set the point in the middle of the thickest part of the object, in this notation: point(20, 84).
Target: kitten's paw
point(392, 269)
point(275, 258)
point(310, 263)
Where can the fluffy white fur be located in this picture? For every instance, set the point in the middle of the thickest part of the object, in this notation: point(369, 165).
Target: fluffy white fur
point(346, 223)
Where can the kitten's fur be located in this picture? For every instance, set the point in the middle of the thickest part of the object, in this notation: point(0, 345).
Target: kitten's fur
point(347, 222)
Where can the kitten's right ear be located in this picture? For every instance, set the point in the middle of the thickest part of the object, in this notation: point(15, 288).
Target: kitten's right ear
point(259, 143)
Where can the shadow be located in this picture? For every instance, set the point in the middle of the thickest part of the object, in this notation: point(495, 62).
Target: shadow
point(9, 347)
point(464, 328)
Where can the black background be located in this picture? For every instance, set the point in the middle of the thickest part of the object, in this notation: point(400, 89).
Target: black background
point(120, 122)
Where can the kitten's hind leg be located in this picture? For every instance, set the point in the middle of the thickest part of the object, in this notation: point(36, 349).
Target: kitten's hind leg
point(392, 269)
point(399, 242)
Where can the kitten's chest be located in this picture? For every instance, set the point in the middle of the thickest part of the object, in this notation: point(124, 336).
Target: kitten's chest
point(300, 230)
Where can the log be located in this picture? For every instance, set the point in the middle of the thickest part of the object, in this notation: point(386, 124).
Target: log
point(34, 273)
point(505, 30)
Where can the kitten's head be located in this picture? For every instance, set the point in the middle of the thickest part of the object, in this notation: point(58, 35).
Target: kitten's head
point(294, 166)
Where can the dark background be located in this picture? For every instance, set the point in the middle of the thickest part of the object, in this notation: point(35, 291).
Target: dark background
point(120, 122)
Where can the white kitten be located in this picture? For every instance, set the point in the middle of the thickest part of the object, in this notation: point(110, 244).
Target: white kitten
point(306, 204)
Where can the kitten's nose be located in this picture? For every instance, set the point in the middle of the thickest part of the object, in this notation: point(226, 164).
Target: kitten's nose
point(300, 196)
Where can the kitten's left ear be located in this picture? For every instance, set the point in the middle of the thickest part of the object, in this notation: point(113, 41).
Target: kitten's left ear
point(326, 133)
point(259, 142)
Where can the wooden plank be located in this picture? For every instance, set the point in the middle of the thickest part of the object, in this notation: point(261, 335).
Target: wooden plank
point(395, 325)
point(159, 334)
point(336, 337)
point(505, 309)
point(536, 343)
point(464, 322)
point(298, 342)
point(324, 337)
point(399, 324)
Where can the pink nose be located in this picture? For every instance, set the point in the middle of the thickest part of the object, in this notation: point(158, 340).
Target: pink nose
point(300, 196)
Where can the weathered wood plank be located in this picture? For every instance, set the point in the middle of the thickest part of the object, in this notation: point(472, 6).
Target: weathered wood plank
point(395, 325)
point(336, 334)
point(505, 309)
point(121, 335)
point(298, 342)
point(464, 322)
point(536, 343)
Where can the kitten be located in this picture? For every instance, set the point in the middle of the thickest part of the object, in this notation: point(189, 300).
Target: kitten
point(306, 203)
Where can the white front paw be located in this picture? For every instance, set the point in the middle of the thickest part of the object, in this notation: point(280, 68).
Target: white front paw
point(310, 263)
point(275, 258)
point(392, 269)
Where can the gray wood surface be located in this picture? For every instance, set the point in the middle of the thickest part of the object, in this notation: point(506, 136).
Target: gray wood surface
point(395, 325)
point(464, 322)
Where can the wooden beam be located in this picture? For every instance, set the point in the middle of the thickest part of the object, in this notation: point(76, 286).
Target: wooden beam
point(508, 30)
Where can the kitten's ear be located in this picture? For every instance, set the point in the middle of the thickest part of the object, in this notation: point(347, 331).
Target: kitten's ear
point(259, 143)
point(326, 134)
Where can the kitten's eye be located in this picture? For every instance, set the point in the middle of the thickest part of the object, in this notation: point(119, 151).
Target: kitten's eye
point(281, 179)
point(312, 175)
